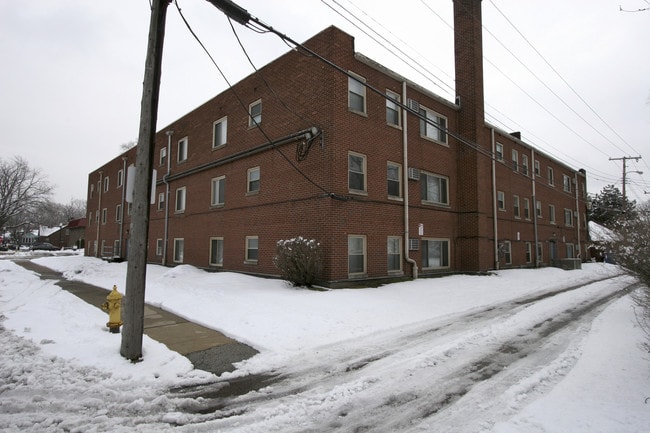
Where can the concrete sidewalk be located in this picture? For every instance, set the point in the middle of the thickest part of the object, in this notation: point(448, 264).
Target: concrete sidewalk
point(206, 348)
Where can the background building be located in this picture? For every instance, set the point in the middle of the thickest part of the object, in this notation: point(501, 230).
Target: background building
point(301, 148)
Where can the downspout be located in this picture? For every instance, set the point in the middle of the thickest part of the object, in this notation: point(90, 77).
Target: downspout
point(99, 210)
point(536, 247)
point(165, 177)
point(405, 188)
point(124, 158)
point(494, 201)
point(578, 215)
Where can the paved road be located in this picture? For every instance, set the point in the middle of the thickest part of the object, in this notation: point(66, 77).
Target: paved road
point(206, 348)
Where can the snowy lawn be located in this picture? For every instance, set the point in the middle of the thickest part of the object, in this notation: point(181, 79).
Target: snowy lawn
point(57, 345)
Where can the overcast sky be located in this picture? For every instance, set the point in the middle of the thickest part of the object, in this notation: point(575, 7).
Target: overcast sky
point(572, 76)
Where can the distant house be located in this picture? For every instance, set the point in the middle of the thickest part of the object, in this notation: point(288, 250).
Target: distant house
point(393, 182)
point(72, 235)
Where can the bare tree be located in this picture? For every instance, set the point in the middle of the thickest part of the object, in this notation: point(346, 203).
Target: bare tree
point(632, 251)
point(22, 189)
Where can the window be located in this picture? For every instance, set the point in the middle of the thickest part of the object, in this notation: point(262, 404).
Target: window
point(218, 191)
point(180, 200)
point(515, 202)
point(392, 109)
point(159, 247)
point(92, 189)
point(551, 176)
point(540, 252)
point(106, 184)
point(255, 113)
point(526, 208)
point(515, 160)
point(182, 150)
point(104, 213)
point(118, 213)
point(161, 201)
point(394, 179)
point(524, 164)
point(90, 219)
point(179, 246)
point(216, 251)
point(507, 252)
point(163, 156)
point(252, 249)
point(538, 170)
point(551, 214)
point(568, 217)
point(357, 94)
point(529, 252)
point(356, 172)
point(116, 248)
point(435, 253)
point(356, 255)
point(566, 183)
point(120, 177)
point(253, 183)
point(219, 132)
point(434, 127)
point(434, 189)
point(501, 200)
point(570, 251)
point(394, 254)
point(499, 150)
point(538, 206)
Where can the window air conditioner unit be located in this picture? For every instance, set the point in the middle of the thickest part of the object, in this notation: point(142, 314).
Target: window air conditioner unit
point(414, 244)
point(414, 173)
point(413, 104)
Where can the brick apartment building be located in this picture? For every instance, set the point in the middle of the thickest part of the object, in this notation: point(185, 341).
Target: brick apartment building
point(303, 149)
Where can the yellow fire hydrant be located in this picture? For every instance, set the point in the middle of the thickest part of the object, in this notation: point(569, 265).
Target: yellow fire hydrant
point(113, 306)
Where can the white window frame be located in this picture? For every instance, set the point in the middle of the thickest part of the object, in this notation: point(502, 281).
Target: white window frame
point(220, 132)
point(551, 176)
point(255, 113)
point(357, 90)
point(538, 169)
point(551, 214)
point(394, 252)
point(182, 150)
point(443, 188)
point(391, 168)
point(106, 183)
point(538, 207)
point(507, 252)
point(570, 251)
point(218, 191)
point(524, 164)
point(501, 200)
point(181, 200)
point(161, 201)
point(516, 206)
point(529, 252)
point(428, 130)
point(515, 160)
point(393, 109)
point(219, 252)
point(499, 152)
point(252, 244)
point(162, 160)
point(444, 254)
point(104, 215)
point(159, 247)
point(253, 180)
point(566, 183)
point(179, 250)
point(526, 208)
point(353, 251)
point(355, 173)
point(568, 217)
point(120, 177)
point(118, 213)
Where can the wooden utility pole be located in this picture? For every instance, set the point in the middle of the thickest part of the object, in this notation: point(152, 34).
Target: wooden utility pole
point(133, 302)
point(625, 159)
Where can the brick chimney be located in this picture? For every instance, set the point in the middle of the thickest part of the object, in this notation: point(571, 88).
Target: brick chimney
point(474, 199)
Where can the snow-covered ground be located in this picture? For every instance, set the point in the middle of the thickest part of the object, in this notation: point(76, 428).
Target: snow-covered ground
point(379, 359)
